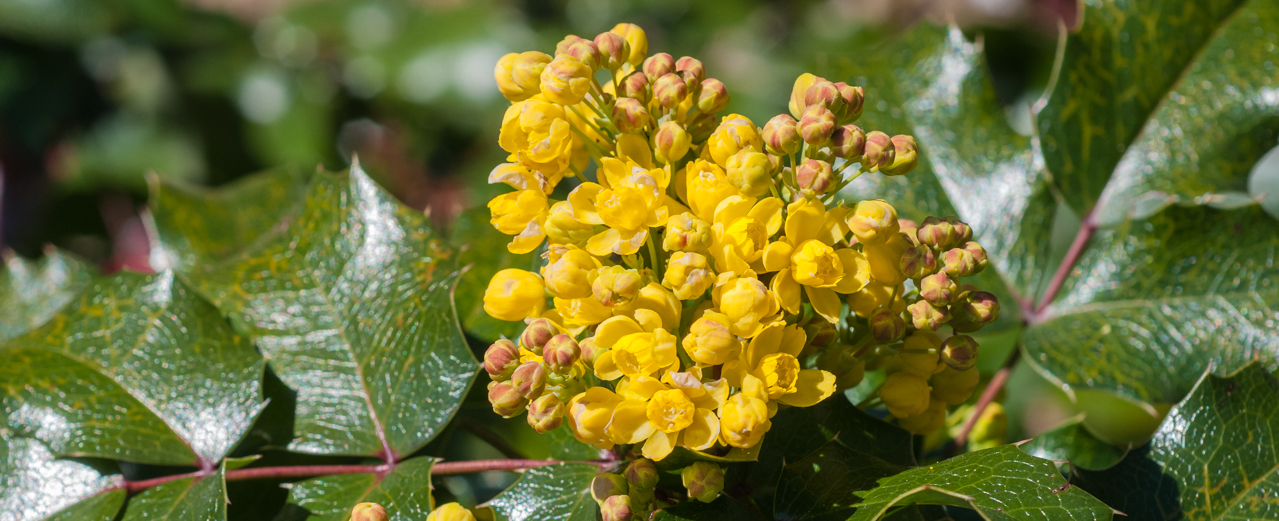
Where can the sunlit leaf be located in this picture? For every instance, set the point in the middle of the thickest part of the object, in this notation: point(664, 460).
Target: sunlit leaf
point(34, 485)
point(1074, 443)
point(405, 492)
point(561, 491)
point(200, 498)
point(32, 291)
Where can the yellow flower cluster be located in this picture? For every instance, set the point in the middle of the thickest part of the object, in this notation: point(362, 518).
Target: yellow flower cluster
point(702, 271)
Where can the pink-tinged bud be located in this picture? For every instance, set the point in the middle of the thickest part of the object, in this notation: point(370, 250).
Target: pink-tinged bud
point(850, 105)
point(614, 50)
point(959, 352)
point(506, 401)
point(814, 176)
point(584, 50)
point(927, 317)
point(978, 307)
point(693, 65)
point(536, 334)
point(617, 508)
point(887, 326)
point(958, 262)
point(879, 151)
point(561, 353)
point(671, 142)
point(546, 413)
point(562, 46)
point(641, 473)
point(822, 93)
point(590, 351)
point(919, 262)
point(938, 289)
point(636, 38)
point(702, 127)
point(658, 65)
point(529, 379)
point(821, 334)
point(704, 480)
point(713, 97)
point(670, 90)
point(816, 125)
point(566, 80)
point(519, 76)
point(501, 359)
point(368, 512)
point(607, 485)
point(630, 116)
point(963, 232)
point(781, 135)
point(908, 230)
point(848, 142)
point(979, 253)
point(905, 156)
point(937, 234)
point(635, 86)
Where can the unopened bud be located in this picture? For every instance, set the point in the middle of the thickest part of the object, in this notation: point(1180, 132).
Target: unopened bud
point(959, 352)
point(979, 253)
point(873, 221)
point(978, 307)
point(562, 46)
point(919, 262)
point(519, 75)
point(905, 156)
point(750, 171)
point(560, 353)
point(781, 136)
point(879, 152)
point(658, 65)
point(704, 480)
point(816, 124)
point(536, 334)
point(692, 65)
point(584, 50)
point(641, 473)
point(814, 176)
point(669, 90)
point(590, 351)
point(887, 326)
point(614, 50)
point(958, 262)
point(936, 233)
point(963, 232)
point(450, 512)
point(506, 401)
point(848, 142)
point(938, 289)
point(822, 93)
point(851, 100)
point(635, 86)
point(368, 512)
point(909, 231)
point(629, 115)
point(821, 334)
point(565, 80)
point(607, 485)
point(546, 413)
point(927, 317)
point(616, 286)
point(685, 232)
point(529, 379)
point(501, 359)
point(713, 96)
point(671, 142)
point(617, 508)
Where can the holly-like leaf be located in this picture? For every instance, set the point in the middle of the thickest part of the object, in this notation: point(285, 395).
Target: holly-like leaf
point(34, 485)
point(824, 486)
point(1155, 303)
point(1003, 483)
point(405, 492)
point(1073, 442)
point(139, 368)
point(1215, 457)
point(32, 291)
point(483, 248)
point(200, 498)
point(351, 304)
point(561, 491)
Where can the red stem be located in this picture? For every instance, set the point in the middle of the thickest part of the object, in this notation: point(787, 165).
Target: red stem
point(992, 389)
point(1086, 229)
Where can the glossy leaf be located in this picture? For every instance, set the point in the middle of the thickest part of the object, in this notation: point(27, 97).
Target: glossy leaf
point(32, 291)
point(1074, 443)
point(351, 304)
point(563, 446)
point(35, 485)
point(825, 485)
point(1155, 303)
point(1216, 456)
point(138, 368)
point(561, 491)
point(405, 492)
point(189, 499)
point(1003, 483)
point(483, 248)
point(1114, 72)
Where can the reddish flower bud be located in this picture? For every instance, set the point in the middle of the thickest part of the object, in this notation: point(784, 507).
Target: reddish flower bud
point(704, 480)
point(658, 65)
point(821, 334)
point(927, 317)
point(671, 142)
point(879, 151)
point(851, 99)
point(501, 359)
point(822, 93)
point(630, 116)
point(536, 334)
point(958, 262)
point(634, 86)
point(959, 352)
point(529, 379)
point(937, 234)
point(919, 262)
point(887, 326)
point(693, 65)
point(617, 508)
point(979, 253)
point(816, 125)
point(607, 485)
point(545, 413)
point(814, 176)
point(506, 401)
point(978, 307)
point(905, 156)
point(585, 51)
point(614, 50)
point(938, 289)
point(713, 96)
point(560, 353)
point(670, 90)
point(848, 142)
point(562, 46)
point(781, 135)
point(642, 473)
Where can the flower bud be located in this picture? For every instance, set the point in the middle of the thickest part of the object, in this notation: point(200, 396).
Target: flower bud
point(704, 480)
point(693, 65)
point(873, 221)
point(685, 232)
point(709, 340)
point(449, 512)
point(713, 96)
point(658, 65)
point(614, 50)
point(879, 151)
point(617, 508)
point(936, 233)
point(851, 100)
point(590, 351)
point(506, 401)
point(615, 286)
point(919, 262)
point(821, 334)
point(566, 80)
point(848, 142)
point(814, 177)
point(641, 473)
point(954, 387)
point(560, 353)
point(546, 413)
point(584, 50)
point(887, 326)
point(963, 232)
point(978, 307)
point(635, 86)
point(519, 75)
point(529, 380)
point(514, 294)
point(536, 334)
point(909, 230)
point(368, 512)
point(630, 116)
point(979, 253)
point(958, 262)
point(750, 171)
point(669, 90)
point(933, 418)
point(671, 142)
point(938, 289)
point(607, 485)
point(501, 359)
point(822, 93)
point(920, 354)
point(781, 136)
point(688, 275)
point(905, 394)
point(927, 317)
point(638, 41)
point(959, 352)
point(562, 46)
point(905, 156)
point(816, 124)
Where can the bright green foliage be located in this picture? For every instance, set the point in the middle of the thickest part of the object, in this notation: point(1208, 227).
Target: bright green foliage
point(405, 492)
point(33, 485)
point(34, 291)
point(561, 491)
point(1072, 442)
point(102, 507)
point(188, 499)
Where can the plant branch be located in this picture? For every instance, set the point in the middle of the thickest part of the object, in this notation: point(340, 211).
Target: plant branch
point(1086, 230)
point(987, 396)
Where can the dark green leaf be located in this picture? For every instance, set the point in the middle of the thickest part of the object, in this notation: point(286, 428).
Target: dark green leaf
point(138, 368)
point(1113, 74)
point(351, 304)
point(563, 446)
point(1215, 457)
point(1072, 442)
point(1153, 304)
point(561, 492)
point(33, 485)
point(825, 485)
point(405, 492)
point(1003, 483)
point(722, 509)
point(483, 248)
point(32, 291)
point(189, 499)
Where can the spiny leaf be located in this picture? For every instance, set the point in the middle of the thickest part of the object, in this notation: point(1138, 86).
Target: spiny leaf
point(32, 291)
point(824, 486)
point(483, 248)
point(188, 499)
point(1072, 441)
point(138, 367)
point(405, 492)
point(34, 485)
point(351, 304)
point(561, 491)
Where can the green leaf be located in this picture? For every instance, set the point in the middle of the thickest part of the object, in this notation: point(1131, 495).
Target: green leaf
point(34, 485)
point(32, 291)
point(405, 492)
point(561, 491)
point(195, 225)
point(825, 485)
point(563, 446)
point(1003, 483)
point(483, 248)
point(1155, 303)
point(723, 508)
point(1215, 457)
point(351, 304)
point(138, 368)
point(189, 499)
point(1115, 71)
point(1073, 442)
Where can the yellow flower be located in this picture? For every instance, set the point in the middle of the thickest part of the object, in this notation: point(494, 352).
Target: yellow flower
point(743, 419)
point(876, 295)
point(802, 83)
point(873, 221)
point(685, 232)
point(657, 299)
point(615, 286)
point(520, 214)
point(562, 228)
point(638, 41)
point(678, 410)
point(519, 177)
point(886, 260)
point(688, 275)
point(750, 171)
point(807, 258)
point(709, 340)
point(514, 295)
point(539, 137)
point(581, 312)
point(741, 229)
point(566, 80)
point(588, 415)
point(771, 358)
point(633, 148)
point(634, 347)
point(707, 186)
point(566, 273)
point(671, 142)
point(519, 75)
point(450, 512)
point(629, 200)
point(735, 133)
point(747, 303)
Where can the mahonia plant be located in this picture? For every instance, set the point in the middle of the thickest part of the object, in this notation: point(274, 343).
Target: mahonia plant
point(697, 271)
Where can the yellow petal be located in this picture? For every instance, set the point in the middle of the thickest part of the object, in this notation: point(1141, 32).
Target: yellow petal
point(768, 211)
point(777, 256)
point(793, 339)
point(630, 422)
point(640, 387)
point(528, 240)
point(787, 290)
point(628, 242)
point(602, 244)
point(716, 392)
point(704, 431)
point(613, 329)
point(835, 228)
point(606, 368)
point(733, 372)
point(812, 386)
point(825, 302)
point(764, 344)
point(856, 271)
point(804, 220)
point(635, 148)
point(659, 445)
point(754, 388)
point(648, 319)
point(583, 200)
point(732, 208)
